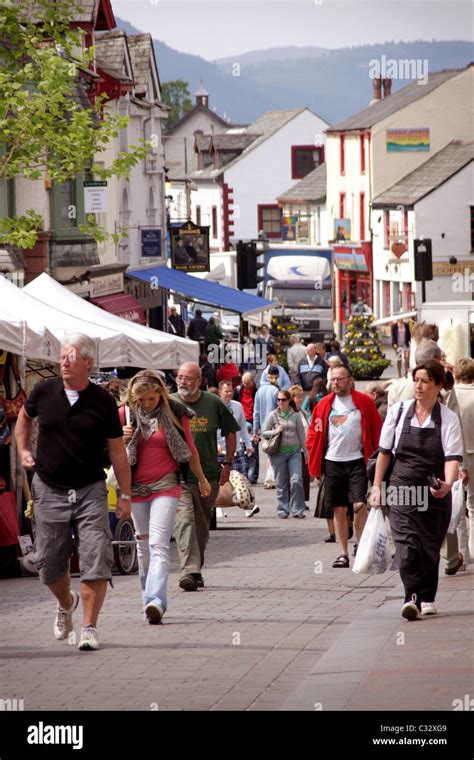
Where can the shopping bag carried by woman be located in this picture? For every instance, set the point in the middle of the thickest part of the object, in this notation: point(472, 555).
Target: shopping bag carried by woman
point(373, 553)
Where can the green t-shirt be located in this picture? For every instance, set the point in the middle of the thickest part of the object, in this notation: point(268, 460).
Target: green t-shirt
point(211, 415)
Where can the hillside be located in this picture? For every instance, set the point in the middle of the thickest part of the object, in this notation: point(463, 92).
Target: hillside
point(332, 83)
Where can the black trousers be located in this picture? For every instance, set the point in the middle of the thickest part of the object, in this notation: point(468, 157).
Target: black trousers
point(418, 537)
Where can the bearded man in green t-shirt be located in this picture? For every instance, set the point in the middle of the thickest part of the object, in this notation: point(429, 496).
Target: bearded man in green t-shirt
point(194, 511)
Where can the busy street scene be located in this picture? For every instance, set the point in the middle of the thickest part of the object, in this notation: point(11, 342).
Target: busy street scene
point(236, 372)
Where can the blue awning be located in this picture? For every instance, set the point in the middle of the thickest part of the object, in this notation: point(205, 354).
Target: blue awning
point(204, 291)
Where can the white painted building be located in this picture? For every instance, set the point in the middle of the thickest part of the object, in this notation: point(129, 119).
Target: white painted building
point(304, 212)
point(243, 171)
point(436, 201)
point(182, 159)
point(136, 204)
point(373, 149)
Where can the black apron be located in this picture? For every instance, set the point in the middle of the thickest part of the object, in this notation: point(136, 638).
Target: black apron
point(419, 453)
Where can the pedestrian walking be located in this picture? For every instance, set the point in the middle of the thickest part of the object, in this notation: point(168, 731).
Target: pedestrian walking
point(244, 447)
point(77, 421)
point(312, 366)
point(159, 445)
point(298, 397)
point(343, 432)
point(427, 448)
point(286, 422)
point(212, 334)
point(464, 390)
point(175, 323)
point(265, 402)
point(294, 354)
point(401, 339)
point(404, 389)
point(196, 328)
point(283, 379)
point(194, 513)
point(318, 391)
point(378, 394)
point(245, 394)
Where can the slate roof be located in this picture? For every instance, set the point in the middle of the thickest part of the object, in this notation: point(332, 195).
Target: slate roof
point(393, 103)
point(429, 176)
point(310, 189)
point(141, 47)
point(86, 12)
point(229, 141)
point(265, 126)
point(110, 51)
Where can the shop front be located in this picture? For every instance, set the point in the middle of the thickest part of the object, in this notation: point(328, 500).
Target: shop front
point(352, 280)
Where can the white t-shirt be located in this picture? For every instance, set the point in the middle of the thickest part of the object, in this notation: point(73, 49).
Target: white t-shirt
point(450, 429)
point(72, 396)
point(345, 431)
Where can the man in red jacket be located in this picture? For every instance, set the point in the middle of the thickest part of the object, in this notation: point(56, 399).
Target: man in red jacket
point(343, 433)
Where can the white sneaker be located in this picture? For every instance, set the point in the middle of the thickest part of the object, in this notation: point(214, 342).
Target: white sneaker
point(220, 512)
point(63, 624)
point(428, 608)
point(153, 614)
point(251, 512)
point(410, 610)
point(89, 639)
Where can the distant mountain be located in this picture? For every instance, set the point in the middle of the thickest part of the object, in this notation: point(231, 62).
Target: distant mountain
point(332, 83)
point(273, 54)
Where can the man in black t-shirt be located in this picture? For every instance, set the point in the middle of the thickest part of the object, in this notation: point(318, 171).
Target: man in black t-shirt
point(76, 421)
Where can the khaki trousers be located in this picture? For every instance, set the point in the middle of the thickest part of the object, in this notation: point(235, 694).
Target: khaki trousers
point(191, 528)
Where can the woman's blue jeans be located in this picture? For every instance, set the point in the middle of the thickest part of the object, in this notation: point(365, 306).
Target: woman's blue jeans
point(155, 518)
point(289, 483)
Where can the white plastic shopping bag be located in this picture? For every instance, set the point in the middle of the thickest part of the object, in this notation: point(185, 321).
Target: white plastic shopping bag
point(457, 493)
point(373, 553)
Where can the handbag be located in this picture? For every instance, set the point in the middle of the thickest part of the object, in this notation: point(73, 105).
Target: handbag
point(237, 492)
point(12, 406)
point(372, 460)
point(321, 511)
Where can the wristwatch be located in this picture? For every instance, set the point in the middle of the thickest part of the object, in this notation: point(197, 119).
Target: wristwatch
point(125, 496)
point(228, 463)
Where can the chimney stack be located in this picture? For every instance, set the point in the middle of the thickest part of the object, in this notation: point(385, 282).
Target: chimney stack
point(387, 87)
point(377, 84)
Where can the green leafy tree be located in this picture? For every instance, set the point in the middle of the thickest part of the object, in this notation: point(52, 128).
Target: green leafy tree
point(48, 127)
point(176, 95)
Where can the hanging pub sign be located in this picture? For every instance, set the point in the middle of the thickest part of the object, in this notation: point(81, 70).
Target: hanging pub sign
point(190, 248)
point(150, 242)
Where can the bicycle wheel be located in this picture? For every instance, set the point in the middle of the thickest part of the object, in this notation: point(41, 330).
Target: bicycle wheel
point(125, 550)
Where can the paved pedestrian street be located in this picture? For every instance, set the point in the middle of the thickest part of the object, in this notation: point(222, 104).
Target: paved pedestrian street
point(275, 628)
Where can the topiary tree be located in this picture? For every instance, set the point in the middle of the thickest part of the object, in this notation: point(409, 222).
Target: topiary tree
point(362, 348)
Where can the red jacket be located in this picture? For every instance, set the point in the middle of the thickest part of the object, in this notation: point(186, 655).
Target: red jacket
point(317, 433)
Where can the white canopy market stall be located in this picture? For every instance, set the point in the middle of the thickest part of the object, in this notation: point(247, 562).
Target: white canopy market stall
point(161, 349)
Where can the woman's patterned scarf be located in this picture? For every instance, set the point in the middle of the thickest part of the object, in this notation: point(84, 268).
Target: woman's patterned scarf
point(148, 423)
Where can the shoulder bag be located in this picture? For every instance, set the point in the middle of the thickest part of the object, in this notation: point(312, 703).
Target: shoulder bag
point(271, 445)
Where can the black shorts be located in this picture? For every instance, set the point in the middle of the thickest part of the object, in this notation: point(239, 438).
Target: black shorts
point(346, 483)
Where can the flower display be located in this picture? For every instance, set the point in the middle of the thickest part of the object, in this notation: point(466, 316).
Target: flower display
point(362, 348)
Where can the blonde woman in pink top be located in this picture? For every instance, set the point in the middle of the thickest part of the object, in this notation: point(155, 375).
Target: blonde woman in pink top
point(160, 449)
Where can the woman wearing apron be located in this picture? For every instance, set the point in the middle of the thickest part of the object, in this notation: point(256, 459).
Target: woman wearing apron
point(427, 443)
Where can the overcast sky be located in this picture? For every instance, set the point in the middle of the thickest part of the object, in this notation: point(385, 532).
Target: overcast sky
point(218, 28)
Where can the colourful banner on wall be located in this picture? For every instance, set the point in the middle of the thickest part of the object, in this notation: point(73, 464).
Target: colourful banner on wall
point(406, 140)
